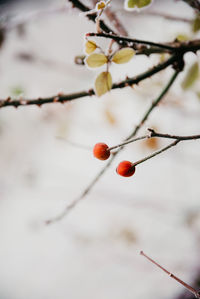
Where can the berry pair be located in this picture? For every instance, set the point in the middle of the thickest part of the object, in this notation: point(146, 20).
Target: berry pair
point(101, 151)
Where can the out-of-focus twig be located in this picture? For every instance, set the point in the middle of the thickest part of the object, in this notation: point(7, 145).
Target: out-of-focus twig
point(194, 4)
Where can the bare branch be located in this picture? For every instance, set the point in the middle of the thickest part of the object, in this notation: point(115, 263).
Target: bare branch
point(62, 98)
point(194, 4)
point(157, 152)
point(154, 104)
point(180, 138)
point(129, 141)
point(99, 175)
point(166, 16)
point(154, 134)
point(178, 47)
point(122, 39)
point(187, 286)
point(112, 17)
point(92, 17)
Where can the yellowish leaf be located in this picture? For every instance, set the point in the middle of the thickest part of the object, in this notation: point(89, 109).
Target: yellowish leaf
point(182, 37)
point(100, 5)
point(138, 3)
point(103, 83)
point(123, 55)
point(196, 24)
point(90, 47)
point(96, 60)
point(191, 76)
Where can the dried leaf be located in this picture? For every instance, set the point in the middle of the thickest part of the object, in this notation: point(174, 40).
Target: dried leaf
point(191, 76)
point(103, 83)
point(96, 60)
point(110, 117)
point(152, 143)
point(123, 55)
point(90, 47)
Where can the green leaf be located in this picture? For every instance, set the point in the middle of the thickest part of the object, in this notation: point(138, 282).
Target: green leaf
point(90, 47)
point(17, 91)
point(138, 3)
point(191, 76)
point(103, 83)
point(123, 55)
point(198, 94)
point(96, 60)
point(182, 37)
point(196, 24)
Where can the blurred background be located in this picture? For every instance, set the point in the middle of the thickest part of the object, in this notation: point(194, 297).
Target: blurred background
point(46, 161)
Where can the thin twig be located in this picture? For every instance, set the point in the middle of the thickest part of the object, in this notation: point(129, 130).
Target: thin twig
point(112, 17)
point(194, 4)
point(180, 48)
point(100, 174)
point(157, 152)
point(165, 16)
point(92, 17)
point(154, 104)
point(187, 286)
point(180, 138)
point(13, 23)
point(156, 14)
point(127, 142)
point(121, 39)
point(154, 134)
point(115, 21)
point(75, 144)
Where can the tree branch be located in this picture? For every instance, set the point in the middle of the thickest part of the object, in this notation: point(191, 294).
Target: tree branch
point(194, 4)
point(180, 138)
point(112, 17)
point(154, 134)
point(92, 17)
point(178, 47)
point(122, 39)
point(115, 21)
point(165, 16)
point(154, 104)
point(60, 98)
point(100, 174)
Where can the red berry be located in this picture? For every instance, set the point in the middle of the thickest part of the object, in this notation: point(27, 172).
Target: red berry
point(125, 168)
point(101, 151)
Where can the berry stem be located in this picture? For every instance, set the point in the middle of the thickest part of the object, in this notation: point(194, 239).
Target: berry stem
point(187, 286)
point(154, 134)
point(129, 141)
point(158, 152)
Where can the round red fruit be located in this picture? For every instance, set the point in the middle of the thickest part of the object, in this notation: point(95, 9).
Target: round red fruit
point(101, 151)
point(125, 168)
